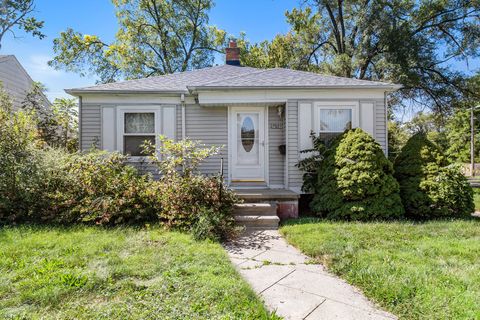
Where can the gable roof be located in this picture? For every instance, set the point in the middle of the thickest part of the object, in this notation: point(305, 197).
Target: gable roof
point(231, 77)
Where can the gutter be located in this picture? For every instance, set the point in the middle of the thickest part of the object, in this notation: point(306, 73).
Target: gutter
point(78, 92)
point(80, 123)
point(184, 129)
point(195, 89)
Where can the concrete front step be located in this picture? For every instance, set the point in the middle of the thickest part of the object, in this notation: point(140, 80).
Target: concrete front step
point(266, 195)
point(257, 221)
point(261, 209)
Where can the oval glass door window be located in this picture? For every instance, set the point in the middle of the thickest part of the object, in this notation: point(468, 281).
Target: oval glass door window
point(248, 134)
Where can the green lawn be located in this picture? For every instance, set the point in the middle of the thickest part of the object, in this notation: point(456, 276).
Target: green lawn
point(120, 273)
point(476, 198)
point(416, 271)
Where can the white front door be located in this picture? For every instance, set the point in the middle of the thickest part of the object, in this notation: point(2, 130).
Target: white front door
point(247, 129)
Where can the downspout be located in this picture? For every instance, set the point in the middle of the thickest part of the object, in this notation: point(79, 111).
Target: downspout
point(286, 180)
point(80, 123)
point(182, 99)
point(386, 122)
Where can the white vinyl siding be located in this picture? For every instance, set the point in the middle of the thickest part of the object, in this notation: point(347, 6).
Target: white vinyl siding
point(91, 126)
point(276, 137)
point(293, 152)
point(209, 125)
point(370, 116)
point(381, 123)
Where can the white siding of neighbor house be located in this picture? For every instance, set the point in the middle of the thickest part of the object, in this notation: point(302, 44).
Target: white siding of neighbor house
point(276, 137)
point(15, 81)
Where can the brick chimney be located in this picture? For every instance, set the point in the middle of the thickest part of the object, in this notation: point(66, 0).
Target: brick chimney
point(232, 54)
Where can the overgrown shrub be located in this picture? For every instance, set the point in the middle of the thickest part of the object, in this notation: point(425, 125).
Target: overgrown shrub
point(39, 183)
point(21, 174)
point(190, 200)
point(429, 187)
point(311, 163)
point(102, 188)
point(355, 181)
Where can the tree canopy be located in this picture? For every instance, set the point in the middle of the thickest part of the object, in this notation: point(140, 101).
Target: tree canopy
point(19, 14)
point(407, 42)
point(154, 38)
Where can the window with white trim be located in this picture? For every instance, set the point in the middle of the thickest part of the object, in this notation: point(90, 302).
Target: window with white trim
point(138, 128)
point(331, 119)
point(333, 122)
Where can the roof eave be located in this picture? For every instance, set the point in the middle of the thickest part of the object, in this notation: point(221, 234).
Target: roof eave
point(79, 92)
point(389, 87)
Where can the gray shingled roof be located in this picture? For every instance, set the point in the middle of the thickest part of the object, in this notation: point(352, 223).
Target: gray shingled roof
point(227, 76)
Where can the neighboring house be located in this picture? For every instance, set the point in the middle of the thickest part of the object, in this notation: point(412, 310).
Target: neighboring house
point(261, 117)
point(16, 81)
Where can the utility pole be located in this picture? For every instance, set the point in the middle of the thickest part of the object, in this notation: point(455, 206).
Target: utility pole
point(472, 143)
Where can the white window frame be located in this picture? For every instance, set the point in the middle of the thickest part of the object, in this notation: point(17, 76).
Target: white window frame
point(336, 105)
point(121, 127)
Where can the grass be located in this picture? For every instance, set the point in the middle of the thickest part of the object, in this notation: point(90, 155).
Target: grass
point(416, 271)
point(476, 198)
point(118, 273)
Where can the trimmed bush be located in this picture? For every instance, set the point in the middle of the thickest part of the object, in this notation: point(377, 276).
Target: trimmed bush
point(355, 181)
point(429, 187)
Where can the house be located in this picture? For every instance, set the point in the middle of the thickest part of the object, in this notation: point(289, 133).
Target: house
point(261, 117)
point(16, 81)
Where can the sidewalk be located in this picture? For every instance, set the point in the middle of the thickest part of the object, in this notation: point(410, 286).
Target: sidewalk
point(293, 287)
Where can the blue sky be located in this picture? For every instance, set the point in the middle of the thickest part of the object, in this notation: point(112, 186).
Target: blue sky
point(260, 19)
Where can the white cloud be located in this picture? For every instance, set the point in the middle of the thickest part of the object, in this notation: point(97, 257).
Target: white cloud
point(39, 69)
point(54, 80)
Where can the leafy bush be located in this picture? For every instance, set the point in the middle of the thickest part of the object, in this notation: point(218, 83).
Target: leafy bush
point(355, 181)
point(102, 188)
point(428, 186)
point(20, 165)
point(190, 200)
point(311, 164)
point(39, 183)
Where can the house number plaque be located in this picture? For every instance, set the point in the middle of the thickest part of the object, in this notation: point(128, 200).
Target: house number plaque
point(277, 125)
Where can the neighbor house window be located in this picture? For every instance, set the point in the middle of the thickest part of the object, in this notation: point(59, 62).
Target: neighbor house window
point(139, 127)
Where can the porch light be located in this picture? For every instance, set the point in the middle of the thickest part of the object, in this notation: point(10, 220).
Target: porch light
point(280, 111)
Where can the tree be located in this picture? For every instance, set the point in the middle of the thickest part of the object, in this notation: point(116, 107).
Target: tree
point(457, 126)
point(397, 137)
point(355, 181)
point(155, 37)
point(65, 113)
point(429, 187)
point(407, 42)
point(281, 52)
point(34, 104)
point(18, 14)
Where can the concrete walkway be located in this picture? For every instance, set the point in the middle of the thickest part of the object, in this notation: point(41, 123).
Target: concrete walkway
point(293, 287)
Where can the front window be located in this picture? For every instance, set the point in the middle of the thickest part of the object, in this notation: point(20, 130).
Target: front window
point(333, 122)
point(139, 127)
